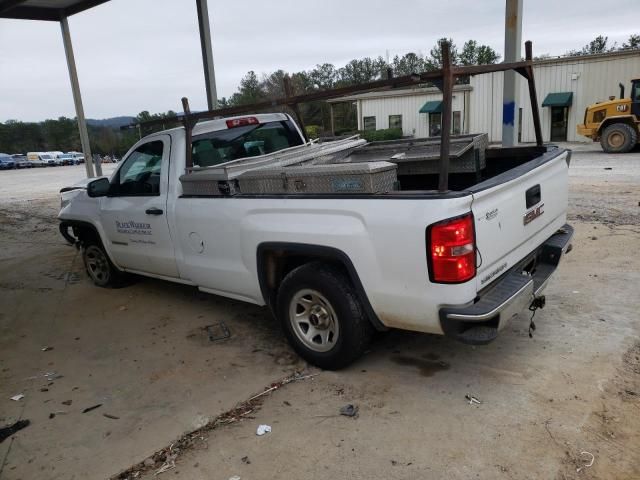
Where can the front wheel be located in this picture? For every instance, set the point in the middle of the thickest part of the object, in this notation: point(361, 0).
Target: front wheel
point(102, 272)
point(322, 316)
point(618, 138)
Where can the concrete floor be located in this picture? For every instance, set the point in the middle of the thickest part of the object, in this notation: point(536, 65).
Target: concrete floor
point(141, 352)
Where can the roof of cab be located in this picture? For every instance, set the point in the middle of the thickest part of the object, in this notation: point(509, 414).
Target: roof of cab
point(221, 123)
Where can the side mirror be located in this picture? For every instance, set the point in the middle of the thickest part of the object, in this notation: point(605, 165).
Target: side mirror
point(98, 188)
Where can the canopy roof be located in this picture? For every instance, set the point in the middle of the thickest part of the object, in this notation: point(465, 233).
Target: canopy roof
point(44, 9)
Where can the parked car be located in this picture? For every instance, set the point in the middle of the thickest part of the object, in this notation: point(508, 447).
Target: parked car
point(67, 159)
point(6, 162)
point(56, 157)
point(21, 161)
point(78, 157)
point(332, 267)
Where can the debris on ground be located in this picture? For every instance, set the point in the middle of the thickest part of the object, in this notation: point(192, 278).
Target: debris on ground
point(217, 331)
point(6, 432)
point(47, 349)
point(198, 437)
point(235, 477)
point(246, 460)
point(349, 410)
point(112, 417)
point(67, 402)
point(88, 409)
point(51, 376)
point(18, 397)
point(472, 399)
point(262, 429)
point(586, 465)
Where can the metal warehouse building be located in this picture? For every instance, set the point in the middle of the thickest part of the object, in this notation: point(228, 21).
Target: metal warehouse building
point(565, 87)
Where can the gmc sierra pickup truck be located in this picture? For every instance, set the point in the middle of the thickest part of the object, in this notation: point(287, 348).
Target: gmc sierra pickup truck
point(332, 267)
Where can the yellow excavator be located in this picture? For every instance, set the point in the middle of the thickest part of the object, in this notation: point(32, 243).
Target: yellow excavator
point(615, 123)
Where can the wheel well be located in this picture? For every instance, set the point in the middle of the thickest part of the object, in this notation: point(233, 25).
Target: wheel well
point(83, 233)
point(276, 260)
point(625, 120)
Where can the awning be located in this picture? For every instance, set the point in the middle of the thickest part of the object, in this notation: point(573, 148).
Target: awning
point(560, 99)
point(432, 107)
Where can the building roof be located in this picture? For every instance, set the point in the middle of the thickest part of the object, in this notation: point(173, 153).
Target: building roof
point(401, 92)
point(44, 9)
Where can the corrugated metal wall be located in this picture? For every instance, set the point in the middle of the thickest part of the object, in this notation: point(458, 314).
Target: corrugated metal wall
point(590, 79)
point(413, 122)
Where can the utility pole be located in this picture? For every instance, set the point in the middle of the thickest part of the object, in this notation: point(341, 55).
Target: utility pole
point(207, 54)
point(512, 53)
point(77, 99)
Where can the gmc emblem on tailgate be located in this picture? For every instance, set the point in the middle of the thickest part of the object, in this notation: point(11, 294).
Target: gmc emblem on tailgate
point(531, 215)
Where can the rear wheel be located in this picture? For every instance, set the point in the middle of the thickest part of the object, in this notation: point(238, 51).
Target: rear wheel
point(322, 316)
point(618, 138)
point(102, 272)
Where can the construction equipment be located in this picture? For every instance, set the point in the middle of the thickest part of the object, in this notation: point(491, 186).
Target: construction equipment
point(615, 123)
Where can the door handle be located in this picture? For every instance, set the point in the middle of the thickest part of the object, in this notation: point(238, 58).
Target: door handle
point(154, 211)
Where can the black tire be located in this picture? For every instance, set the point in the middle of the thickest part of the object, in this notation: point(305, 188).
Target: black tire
point(618, 138)
point(99, 267)
point(323, 290)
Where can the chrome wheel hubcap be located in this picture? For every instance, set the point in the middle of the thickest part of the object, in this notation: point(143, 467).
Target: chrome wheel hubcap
point(97, 264)
point(313, 320)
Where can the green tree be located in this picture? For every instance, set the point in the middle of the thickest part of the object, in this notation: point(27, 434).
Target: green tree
point(435, 55)
point(474, 54)
point(632, 42)
point(408, 64)
point(249, 91)
point(600, 44)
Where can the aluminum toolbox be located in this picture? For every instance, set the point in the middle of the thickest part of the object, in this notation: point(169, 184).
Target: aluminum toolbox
point(420, 156)
point(221, 179)
point(367, 177)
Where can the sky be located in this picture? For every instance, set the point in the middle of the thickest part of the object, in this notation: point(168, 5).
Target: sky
point(135, 55)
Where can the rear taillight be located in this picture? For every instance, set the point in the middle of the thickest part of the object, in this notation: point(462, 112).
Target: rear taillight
point(241, 122)
point(452, 250)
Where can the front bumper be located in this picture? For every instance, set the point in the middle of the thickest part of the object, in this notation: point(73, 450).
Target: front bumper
point(513, 293)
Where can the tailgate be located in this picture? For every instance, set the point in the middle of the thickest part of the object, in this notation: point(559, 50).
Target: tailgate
point(517, 211)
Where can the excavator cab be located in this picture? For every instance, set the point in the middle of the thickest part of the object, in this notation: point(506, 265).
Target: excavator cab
point(635, 98)
point(615, 122)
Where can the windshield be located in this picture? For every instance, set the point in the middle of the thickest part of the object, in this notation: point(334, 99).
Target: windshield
point(46, 157)
point(65, 156)
point(240, 142)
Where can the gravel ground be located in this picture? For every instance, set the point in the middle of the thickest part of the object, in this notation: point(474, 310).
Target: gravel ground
point(142, 354)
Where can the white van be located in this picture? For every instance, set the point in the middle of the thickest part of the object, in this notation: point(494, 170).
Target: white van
point(41, 159)
point(57, 157)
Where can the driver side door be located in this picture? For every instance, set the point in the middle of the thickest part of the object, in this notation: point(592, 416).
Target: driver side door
point(134, 211)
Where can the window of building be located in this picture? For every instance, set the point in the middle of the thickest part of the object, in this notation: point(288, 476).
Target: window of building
point(369, 123)
point(395, 121)
point(457, 122)
point(140, 172)
point(435, 121)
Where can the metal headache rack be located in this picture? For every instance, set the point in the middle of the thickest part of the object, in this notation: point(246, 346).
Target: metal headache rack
point(419, 156)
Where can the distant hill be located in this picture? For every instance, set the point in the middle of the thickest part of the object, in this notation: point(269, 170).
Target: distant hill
point(114, 122)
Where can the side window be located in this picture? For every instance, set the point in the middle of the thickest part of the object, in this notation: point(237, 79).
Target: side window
point(369, 123)
point(140, 172)
point(395, 121)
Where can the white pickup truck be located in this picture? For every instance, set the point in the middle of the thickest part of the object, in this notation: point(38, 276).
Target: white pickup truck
point(332, 267)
